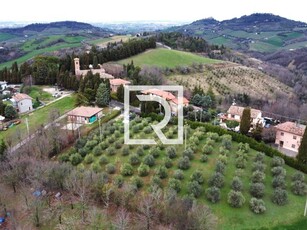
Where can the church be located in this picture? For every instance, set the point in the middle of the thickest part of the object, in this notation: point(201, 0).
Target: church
point(101, 71)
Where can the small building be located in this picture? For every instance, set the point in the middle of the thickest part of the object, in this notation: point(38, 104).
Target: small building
point(174, 103)
point(116, 82)
point(22, 102)
point(84, 115)
point(289, 135)
point(3, 85)
point(235, 113)
point(101, 71)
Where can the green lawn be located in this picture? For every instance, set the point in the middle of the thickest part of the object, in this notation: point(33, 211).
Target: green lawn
point(228, 217)
point(167, 58)
point(38, 92)
point(39, 117)
point(5, 36)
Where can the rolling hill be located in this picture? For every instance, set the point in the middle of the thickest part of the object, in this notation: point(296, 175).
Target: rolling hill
point(257, 32)
point(167, 58)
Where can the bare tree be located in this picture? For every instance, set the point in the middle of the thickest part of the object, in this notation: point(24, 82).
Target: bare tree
point(146, 217)
point(122, 220)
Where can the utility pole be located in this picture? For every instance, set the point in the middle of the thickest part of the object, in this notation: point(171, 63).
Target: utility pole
point(100, 135)
point(305, 212)
point(27, 124)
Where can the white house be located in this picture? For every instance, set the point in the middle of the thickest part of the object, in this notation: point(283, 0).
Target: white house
point(22, 102)
point(3, 85)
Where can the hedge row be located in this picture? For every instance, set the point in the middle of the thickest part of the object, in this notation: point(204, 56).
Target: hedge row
point(258, 146)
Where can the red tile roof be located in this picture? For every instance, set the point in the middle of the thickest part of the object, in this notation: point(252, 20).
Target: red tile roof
point(21, 96)
point(161, 93)
point(291, 127)
point(84, 111)
point(119, 81)
point(184, 100)
point(238, 110)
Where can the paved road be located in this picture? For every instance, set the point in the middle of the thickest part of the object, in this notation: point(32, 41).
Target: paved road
point(121, 105)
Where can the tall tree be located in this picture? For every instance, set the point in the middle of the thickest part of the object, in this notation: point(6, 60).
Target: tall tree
point(102, 95)
point(302, 151)
point(120, 93)
point(245, 121)
point(10, 112)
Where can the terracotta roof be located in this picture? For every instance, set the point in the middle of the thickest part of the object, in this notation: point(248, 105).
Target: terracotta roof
point(84, 111)
point(238, 110)
point(291, 127)
point(21, 96)
point(184, 100)
point(119, 81)
point(161, 93)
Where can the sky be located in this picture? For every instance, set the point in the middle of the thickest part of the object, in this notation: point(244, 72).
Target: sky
point(138, 10)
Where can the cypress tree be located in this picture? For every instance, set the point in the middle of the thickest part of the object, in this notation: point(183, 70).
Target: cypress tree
point(302, 151)
point(245, 121)
point(102, 95)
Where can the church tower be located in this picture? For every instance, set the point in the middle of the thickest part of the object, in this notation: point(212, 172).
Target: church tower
point(77, 66)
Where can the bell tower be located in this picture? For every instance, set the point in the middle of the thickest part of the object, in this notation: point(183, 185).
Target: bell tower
point(77, 66)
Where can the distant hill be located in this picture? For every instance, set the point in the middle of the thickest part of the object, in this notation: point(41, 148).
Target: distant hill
point(64, 26)
point(264, 33)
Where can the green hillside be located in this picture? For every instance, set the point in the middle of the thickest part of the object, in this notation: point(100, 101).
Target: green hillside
point(167, 58)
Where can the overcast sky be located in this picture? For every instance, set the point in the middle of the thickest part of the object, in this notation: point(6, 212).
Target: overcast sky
point(137, 10)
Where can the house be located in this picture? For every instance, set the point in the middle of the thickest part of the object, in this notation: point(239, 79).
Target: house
point(116, 82)
point(235, 113)
point(22, 102)
point(3, 85)
point(84, 115)
point(169, 97)
point(101, 71)
point(289, 135)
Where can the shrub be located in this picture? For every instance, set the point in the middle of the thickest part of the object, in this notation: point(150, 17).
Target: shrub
point(239, 172)
point(197, 176)
point(298, 176)
point(257, 190)
point(171, 152)
point(174, 184)
point(243, 147)
point(278, 171)
point(161, 172)
point(280, 196)
point(145, 147)
point(220, 167)
point(258, 166)
point(125, 151)
point(260, 157)
point(137, 182)
point(96, 167)
point(213, 194)
point(226, 141)
point(110, 168)
point(217, 180)
point(223, 159)
point(91, 144)
point(147, 130)
point(126, 169)
point(134, 159)
point(64, 157)
point(103, 160)
point(89, 159)
point(279, 181)
point(189, 153)
point(178, 174)
point(111, 140)
point(103, 145)
point(207, 149)
point(240, 162)
point(83, 151)
point(118, 145)
point(298, 187)
point(258, 177)
point(156, 181)
point(97, 150)
point(257, 205)
point(277, 161)
point(235, 199)
point(117, 134)
point(236, 184)
point(184, 163)
point(149, 160)
point(213, 136)
point(155, 152)
point(75, 159)
point(110, 151)
point(167, 162)
point(143, 170)
point(204, 158)
point(140, 151)
point(118, 181)
point(209, 142)
point(194, 188)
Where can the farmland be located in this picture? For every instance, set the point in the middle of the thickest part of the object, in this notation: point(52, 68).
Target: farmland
point(167, 58)
point(145, 166)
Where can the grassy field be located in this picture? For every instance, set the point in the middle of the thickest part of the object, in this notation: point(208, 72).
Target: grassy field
point(104, 41)
point(228, 217)
point(5, 36)
point(38, 117)
point(167, 58)
point(38, 92)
